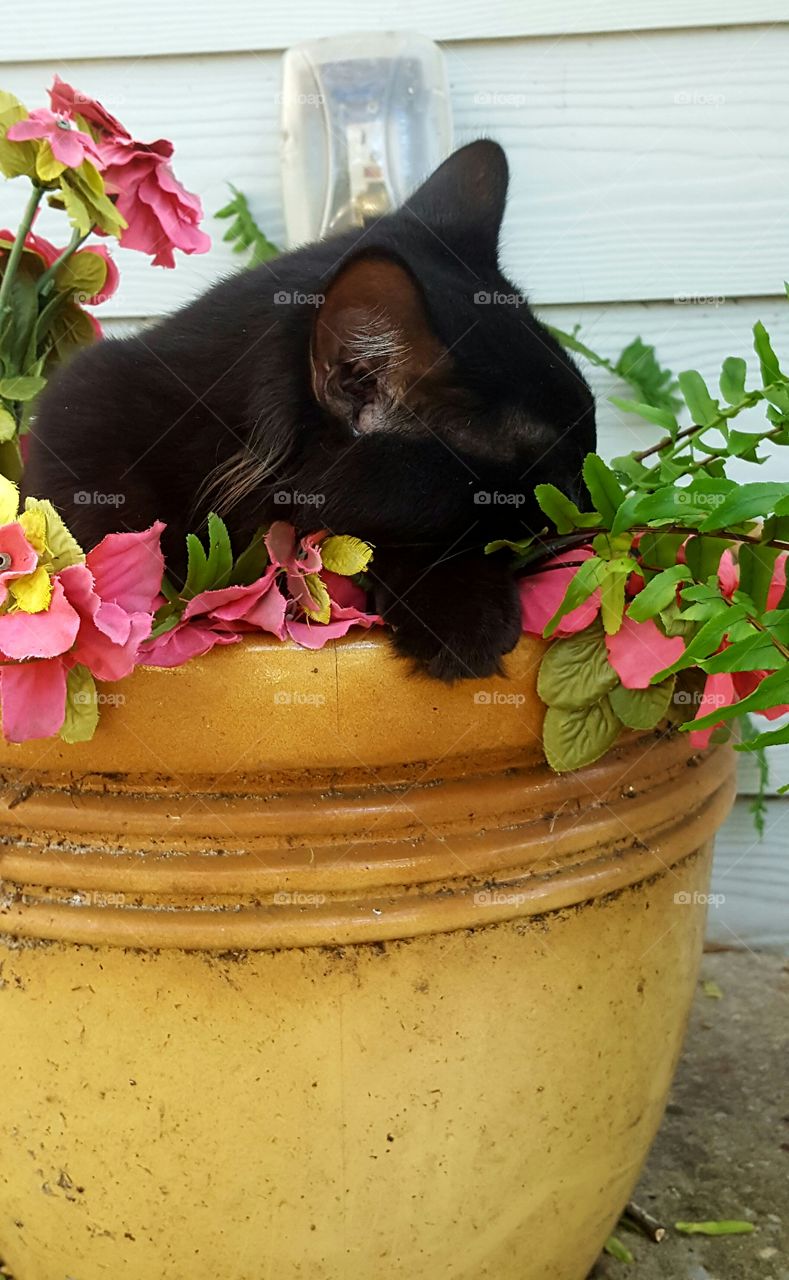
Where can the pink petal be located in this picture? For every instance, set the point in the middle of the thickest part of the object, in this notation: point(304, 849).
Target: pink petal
point(14, 544)
point(229, 602)
point(181, 644)
point(639, 650)
point(281, 543)
point(728, 574)
point(344, 591)
point(269, 612)
point(719, 691)
point(128, 568)
point(747, 682)
point(778, 584)
point(40, 635)
point(542, 593)
point(315, 635)
point(34, 700)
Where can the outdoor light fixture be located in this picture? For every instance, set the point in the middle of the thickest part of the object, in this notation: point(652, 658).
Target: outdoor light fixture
point(364, 118)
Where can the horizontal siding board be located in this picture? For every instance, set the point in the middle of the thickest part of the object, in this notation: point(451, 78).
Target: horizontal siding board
point(150, 27)
point(751, 875)
point(619, 192)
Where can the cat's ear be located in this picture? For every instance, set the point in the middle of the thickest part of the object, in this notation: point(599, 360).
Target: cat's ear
point(372, 344)
point(463, 201)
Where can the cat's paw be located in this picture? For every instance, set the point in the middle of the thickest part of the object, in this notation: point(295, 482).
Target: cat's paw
point(464, 642)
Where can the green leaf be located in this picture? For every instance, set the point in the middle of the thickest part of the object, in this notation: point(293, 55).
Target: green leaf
point(82, 706)
point(768, 360)
point(614, 1247)
point(658, 593)
point(583, 584)
point(722, 1228)
point(642, 708)
point(704, 410)
point(575, 671)
point(21, 388)
point(703, 556)
point(706, 640)
point(197, 567)
point(252, 562)
point(62, 547)
point(7, 425)
point(562, 512)
point(732, 380)
point(661, 417)
point(770, 738)
point(345, 555)
point(690, 506)
point(220, 553)
point(757, 563)
point(744, 502)
point(660, 550)
point(576, 737)
point(612, 594)
point(244, 233)
point(639, 366)
point(84, 273)
point(754, 653)
point(606, 492)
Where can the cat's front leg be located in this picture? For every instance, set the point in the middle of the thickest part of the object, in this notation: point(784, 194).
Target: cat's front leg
point(454, 618)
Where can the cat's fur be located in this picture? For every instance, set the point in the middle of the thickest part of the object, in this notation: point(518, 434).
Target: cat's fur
point(404, 377)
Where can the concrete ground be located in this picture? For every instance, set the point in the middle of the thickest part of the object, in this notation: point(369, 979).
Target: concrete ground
point(723, 1150)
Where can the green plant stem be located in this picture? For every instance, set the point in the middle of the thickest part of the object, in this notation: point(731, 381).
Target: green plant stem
point(732, 411)
point(46, 278)
point(18, 247)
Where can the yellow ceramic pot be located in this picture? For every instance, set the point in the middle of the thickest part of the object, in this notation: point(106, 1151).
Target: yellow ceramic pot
point(312, 969)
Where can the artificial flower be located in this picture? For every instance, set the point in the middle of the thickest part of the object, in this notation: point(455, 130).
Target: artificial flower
point(68, 144)
point(68, 101)
point(161, 215)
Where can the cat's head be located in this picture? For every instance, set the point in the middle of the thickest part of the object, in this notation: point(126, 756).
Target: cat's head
point(421, 336)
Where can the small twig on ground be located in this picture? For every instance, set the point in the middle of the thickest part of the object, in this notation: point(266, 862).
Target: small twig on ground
point(647, 1225)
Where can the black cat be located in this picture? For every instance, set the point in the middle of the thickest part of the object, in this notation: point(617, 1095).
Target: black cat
point(389, 382)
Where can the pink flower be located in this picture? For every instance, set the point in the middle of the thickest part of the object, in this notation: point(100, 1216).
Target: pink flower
point(314, 635)
point(639, 650)
point(17, 557)
point(67, 101)
point(99, 614)
point(729, 578)
point(542, 593)
point(161, 215)
point(284, 554)
point(47, 634)
point(69, 145)
point(220, 617)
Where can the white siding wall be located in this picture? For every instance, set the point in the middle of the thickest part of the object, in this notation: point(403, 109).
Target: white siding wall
point(649, 146)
